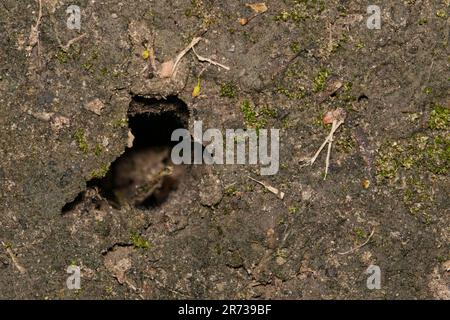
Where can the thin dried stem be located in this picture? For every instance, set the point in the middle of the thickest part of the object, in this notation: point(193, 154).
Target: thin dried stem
point(360, 246)
point(203, 59)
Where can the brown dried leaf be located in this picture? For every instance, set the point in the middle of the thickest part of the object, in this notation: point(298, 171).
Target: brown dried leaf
point(166, 69)
point(243, 21)
point(259, 7)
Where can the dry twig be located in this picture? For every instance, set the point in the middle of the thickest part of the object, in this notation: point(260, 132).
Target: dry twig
point(275, 191)
point(337, 118)
point(14, 259)
point(34, 33)
point(360, 246)
point(66, 47)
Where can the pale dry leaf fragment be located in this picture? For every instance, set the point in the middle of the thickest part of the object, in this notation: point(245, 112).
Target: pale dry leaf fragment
point(446, 266)
point(44, 116)
point(243, 21)
point(337, 115)
point(118, 262)
point(50, 5)
point(14, 259)
point(203, 59)
point(33, 38)
point(166, 69)
point(130, 139)
point(96, 106)
point(58, 122)
point(274, 190)
point(259, 7)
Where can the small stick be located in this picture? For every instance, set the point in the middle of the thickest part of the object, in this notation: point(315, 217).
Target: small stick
point(34, 33)
point(71, 42)
point(327, 140)
point(14, 259)
point(360, 246)
point(183, 53)
point(336, 118)
point(275, 191)
point(203, 59)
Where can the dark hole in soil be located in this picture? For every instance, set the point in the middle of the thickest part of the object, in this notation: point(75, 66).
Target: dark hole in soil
point(362, 98)
point(144, 175)
point(72, 205)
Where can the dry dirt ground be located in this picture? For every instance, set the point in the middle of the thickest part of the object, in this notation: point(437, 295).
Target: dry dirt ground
point(67, 108)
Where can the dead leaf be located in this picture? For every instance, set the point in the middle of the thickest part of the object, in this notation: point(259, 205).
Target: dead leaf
point(278, 193)
point(259, 7)
point(336, 115)
point(447, 266)
point(96, 106)
point(166, 69)
point(130, 139)
point(243, 21)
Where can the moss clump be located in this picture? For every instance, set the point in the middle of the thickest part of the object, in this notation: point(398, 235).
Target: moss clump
point(251, 117)
point(345, 143)
point(98, 150)
point(295, 47)
point(139, 242)
point(439, 118)
point(80, 139)
point(73, 53)
point(230, 191)
point(321, 79)
point(441, 14)
point(431, 153)
point(101, 172)
point(293, 209)
point(228, 90)
point(121, 123)
point(291, 94)
point(300, 11)
point(269, 112)
point(404, 164)
point(360, 234)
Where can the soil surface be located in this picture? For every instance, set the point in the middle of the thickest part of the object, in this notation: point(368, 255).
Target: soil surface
point(76, 104)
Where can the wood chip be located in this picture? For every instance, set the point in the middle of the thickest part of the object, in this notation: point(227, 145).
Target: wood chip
point(259, 7)
point(96, 106)
point(274, 190)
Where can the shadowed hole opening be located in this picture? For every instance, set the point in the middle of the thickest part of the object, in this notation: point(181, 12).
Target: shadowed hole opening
point(144, 176)
point(363, 97)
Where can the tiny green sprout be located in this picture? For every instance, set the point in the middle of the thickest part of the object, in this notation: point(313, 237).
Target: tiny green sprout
point(139, 242)
point(321, 79)
point(441, 14)
point(295, 47)
point(230, 191)
point(293, 209)
point(228, 90)
point(100, 173)
point(360, 233)
point(98, 150)
point(80, 138)
point(439, 118)
point(422, 21)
